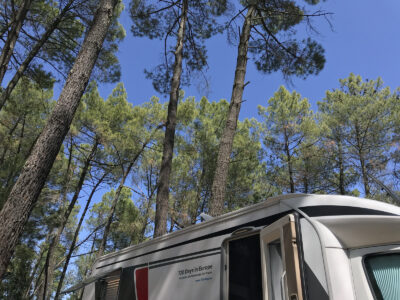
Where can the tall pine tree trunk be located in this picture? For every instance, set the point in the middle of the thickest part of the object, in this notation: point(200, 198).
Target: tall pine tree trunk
point(51, 259)
point(110, 217)
point(32, 54)
point(87, 269)
point(10, 137)
point(364, 175)
point(342, 189)
point(75, 238)
point(63, 200)
point(5, 28)
point(306, 173)
point(362, 161)
point(26, 190)
point(12, 37)
point(225, 147)
point(146, 216)
point(160, 222)
point(116, 197)
point(53, 231)
point(289, 163)
point(35, 268)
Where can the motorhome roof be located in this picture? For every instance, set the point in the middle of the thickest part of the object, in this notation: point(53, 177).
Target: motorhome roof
point(309, 204)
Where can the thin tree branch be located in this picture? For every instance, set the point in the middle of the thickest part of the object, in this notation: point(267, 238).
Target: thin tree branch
point(275, 38)
point(158, 10)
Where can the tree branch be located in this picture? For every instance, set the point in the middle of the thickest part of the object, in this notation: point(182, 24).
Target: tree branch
point(274, 37)
point(158, 10)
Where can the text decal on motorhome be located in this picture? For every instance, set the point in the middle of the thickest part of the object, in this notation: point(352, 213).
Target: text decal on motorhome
point(302, 247)
point(204, 272)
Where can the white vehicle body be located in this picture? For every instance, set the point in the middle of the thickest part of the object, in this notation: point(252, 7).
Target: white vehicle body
point(288, 247)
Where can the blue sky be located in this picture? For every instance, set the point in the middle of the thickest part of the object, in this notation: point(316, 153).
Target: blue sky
point(364, 40)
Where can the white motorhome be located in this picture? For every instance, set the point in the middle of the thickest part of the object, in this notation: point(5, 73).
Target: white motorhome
point(291, 247)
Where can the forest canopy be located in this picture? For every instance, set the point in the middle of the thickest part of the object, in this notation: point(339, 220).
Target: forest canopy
point(116, 171)
point(286, 148)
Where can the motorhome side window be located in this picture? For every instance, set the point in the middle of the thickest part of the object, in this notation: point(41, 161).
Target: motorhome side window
point(291, 247)
point(384, 275)
point(245, 269)
point(118, 285)
point(108, 286)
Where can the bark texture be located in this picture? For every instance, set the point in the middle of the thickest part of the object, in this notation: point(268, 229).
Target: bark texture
point(53, 231)
point(160, 222)
point(12, 37)
point(225, 147)
point(32, 54)
point(26, 190)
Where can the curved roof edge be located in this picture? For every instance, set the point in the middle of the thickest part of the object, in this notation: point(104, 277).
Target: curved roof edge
point(291, 201)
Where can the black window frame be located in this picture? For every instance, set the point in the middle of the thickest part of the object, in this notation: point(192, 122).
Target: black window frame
point(127, 284)
point(241, 233)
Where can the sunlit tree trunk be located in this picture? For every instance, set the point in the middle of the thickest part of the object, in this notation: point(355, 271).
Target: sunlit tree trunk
point(26, 190)
point(160, 222)
point(225, 147)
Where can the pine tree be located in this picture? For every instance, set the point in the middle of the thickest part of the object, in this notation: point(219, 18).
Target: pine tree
point(288, 123)
point(363, 125)
point(26, 190)
point(275, 48)
point(52, 35)
point(192, 22)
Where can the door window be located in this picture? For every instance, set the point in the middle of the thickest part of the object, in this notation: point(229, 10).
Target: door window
point(384, 275)
point(244, 265)
point(280, 261)
point(275, 270)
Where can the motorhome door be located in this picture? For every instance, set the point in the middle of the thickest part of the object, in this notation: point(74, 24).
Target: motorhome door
point(280, 265)
point(241, 275)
